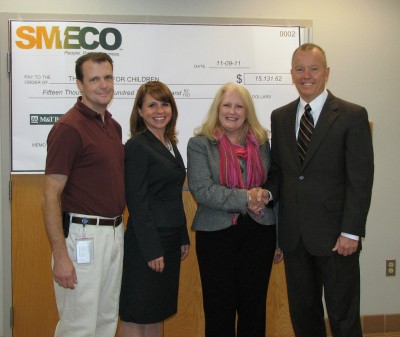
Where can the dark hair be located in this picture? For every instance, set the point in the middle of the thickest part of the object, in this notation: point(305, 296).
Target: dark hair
point(160, 92)
point(95, 57)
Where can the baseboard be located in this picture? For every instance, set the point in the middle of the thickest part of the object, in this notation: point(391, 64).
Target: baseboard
point(376, 323)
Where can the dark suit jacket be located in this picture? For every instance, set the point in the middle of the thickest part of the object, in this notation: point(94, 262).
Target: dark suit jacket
point(153, 186)
point(330, 193)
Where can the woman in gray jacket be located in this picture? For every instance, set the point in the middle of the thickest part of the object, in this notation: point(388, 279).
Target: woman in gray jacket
point(228, 161)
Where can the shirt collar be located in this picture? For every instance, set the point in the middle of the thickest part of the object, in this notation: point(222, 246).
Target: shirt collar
point(89, 113)
point(316, 104)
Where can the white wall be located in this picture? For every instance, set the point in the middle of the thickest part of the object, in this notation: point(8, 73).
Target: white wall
point(361, 38)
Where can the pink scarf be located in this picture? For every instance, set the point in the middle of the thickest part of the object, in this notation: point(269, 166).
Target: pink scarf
point(229, 168)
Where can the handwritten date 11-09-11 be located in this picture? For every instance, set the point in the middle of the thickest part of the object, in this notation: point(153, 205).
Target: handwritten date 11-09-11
point(228, 63)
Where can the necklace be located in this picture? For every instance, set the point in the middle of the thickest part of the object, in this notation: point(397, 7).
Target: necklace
point(168, 145)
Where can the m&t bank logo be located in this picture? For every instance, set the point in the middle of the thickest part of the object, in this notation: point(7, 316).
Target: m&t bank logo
point(44, 119)
point(72, 37)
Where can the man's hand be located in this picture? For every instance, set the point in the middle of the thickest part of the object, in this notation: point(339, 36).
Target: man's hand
point(258, 198)
point(345, 246)
point(64, 273)
point(263, 196)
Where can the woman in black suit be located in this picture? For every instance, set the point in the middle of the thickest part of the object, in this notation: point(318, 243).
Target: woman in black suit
point(156, 238)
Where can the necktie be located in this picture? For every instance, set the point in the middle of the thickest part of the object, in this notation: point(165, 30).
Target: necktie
point(305, 132)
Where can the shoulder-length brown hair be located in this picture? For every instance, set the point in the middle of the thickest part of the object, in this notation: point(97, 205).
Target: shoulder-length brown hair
point(160, 92)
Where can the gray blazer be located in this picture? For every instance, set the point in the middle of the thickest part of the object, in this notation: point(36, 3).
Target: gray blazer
point(217, 202)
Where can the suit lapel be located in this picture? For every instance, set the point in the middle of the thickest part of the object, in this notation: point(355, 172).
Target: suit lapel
point(160, 148)
point(178, 158)
point(325, 121)
point(290, 130)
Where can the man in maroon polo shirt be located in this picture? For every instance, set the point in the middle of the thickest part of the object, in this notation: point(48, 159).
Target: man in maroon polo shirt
point(82, 204)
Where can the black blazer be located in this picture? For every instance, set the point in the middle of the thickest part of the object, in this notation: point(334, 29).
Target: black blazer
point(330, 193)
point(153, 187)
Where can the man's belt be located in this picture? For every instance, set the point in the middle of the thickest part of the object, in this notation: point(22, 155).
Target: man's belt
point(115, 222)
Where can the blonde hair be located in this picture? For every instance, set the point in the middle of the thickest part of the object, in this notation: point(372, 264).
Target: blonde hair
point(211, 122)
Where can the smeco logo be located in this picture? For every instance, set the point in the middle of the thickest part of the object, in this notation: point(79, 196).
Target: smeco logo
point(73, 37)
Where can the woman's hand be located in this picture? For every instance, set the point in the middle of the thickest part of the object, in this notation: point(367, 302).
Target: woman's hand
point(184, 251)
point(157, 264)
point(257, 199)
point(278, 257)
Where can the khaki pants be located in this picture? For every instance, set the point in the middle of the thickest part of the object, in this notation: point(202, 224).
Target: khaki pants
point(91, 309)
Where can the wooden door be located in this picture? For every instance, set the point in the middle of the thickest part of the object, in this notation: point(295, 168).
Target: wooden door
point(34, 305)
point(35, 313)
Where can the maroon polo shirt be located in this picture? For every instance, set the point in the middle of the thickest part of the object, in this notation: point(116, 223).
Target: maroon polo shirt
point(91, 154)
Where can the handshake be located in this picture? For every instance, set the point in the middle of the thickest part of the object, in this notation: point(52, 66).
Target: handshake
point(257, 198)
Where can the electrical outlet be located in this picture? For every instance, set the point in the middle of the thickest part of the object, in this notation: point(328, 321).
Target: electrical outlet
point(390, 267)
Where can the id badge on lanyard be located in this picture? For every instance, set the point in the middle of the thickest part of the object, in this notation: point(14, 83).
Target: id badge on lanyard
point(84, 248)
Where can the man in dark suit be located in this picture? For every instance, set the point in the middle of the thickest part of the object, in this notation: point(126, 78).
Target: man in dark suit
point(321, 178)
